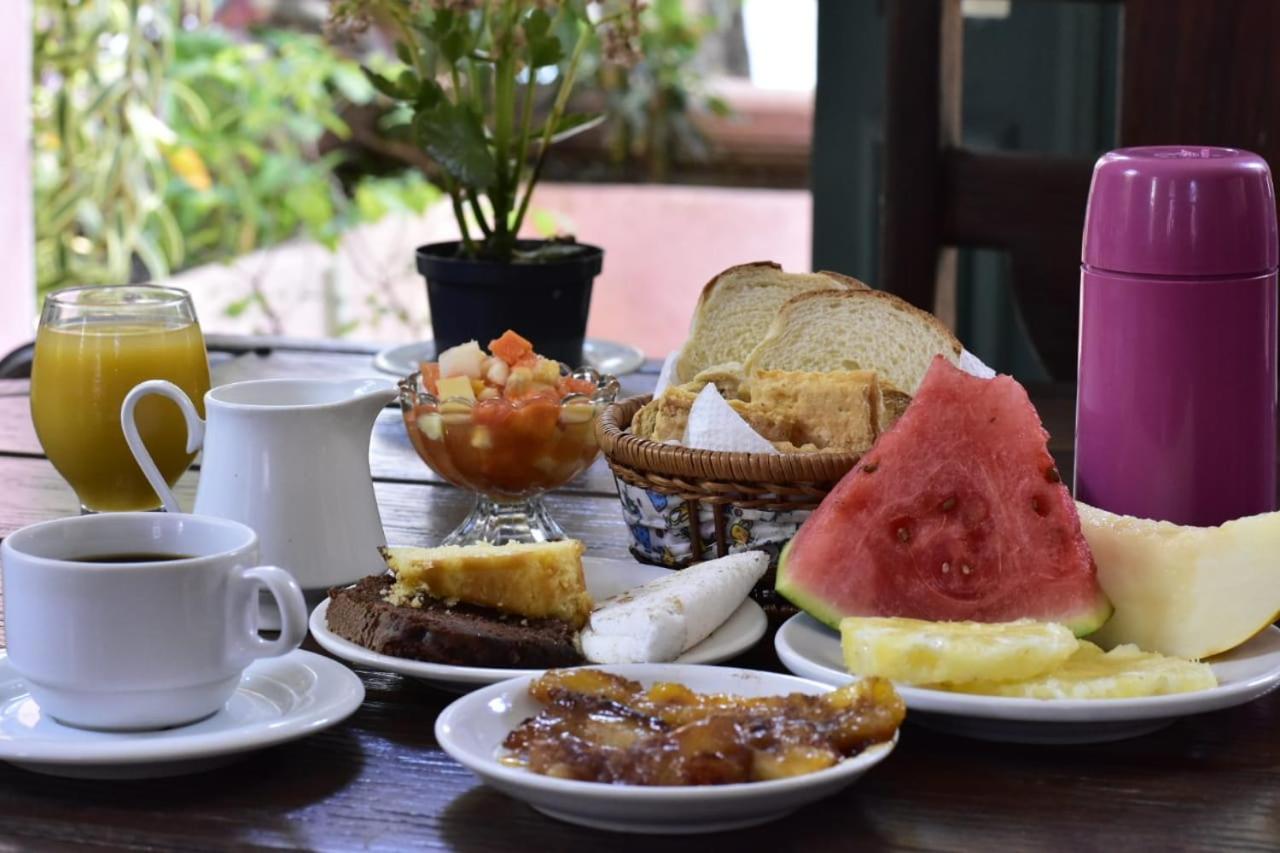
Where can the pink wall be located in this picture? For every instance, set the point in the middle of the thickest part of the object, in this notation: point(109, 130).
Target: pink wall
point(17, 240)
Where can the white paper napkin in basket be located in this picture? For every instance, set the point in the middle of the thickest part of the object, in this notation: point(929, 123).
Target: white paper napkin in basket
point(714, 425)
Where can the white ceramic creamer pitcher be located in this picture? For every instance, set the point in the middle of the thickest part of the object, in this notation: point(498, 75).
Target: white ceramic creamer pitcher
point(289, 458)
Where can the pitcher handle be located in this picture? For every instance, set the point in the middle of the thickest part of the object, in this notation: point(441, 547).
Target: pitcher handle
point(128, 421)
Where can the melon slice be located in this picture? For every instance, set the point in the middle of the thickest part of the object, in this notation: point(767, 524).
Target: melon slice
point(1186, 591)
point(956, 514)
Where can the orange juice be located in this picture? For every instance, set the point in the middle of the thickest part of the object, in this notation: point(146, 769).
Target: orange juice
point(79, 379)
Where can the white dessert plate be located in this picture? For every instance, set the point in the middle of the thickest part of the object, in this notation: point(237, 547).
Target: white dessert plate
point(812, 650)
point(604, 578)
point(473, 728)
point(605, 356)
point(279, 699)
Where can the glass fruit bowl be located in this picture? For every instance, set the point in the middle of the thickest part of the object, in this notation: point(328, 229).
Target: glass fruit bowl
point(509, 452)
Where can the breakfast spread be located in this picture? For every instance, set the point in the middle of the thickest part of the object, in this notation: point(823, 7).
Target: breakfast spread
point(600, 727)
point(957, 513)
point(506, 424)
point(527, 606)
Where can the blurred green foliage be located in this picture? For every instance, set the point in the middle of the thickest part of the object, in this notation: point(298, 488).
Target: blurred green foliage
point(652, 104)
point(159, 147)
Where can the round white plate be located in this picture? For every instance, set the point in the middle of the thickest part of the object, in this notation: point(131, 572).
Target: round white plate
point(604, 578)
point(279, 699)
point(812, 650)
point(472, 729)
point(605, 356)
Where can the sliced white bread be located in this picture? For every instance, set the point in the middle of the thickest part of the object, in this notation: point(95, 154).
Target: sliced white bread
point(736, 308)
point(854, 330)
point(666, 617)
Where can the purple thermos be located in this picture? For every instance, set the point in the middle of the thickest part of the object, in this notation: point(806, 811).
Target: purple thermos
point(1176, 411)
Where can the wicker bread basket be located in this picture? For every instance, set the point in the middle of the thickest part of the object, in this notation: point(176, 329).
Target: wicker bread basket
point(741, 501)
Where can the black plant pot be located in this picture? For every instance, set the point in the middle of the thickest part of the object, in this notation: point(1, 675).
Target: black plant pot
point(479, 300)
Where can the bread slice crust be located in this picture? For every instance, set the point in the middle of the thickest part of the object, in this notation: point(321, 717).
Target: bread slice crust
point(785, 326)
point(705, 347)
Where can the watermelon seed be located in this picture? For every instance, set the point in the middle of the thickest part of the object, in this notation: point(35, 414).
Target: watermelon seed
point(1051, 474)
point(949, 504)
point(965, 568)
point(946, 568)
point(904, 535)
point(869, 468)
point(1037, 507)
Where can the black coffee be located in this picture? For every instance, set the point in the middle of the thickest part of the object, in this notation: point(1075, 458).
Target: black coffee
point(136, 557)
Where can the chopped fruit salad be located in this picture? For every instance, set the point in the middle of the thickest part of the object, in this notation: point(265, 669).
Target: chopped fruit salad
point(507, 423)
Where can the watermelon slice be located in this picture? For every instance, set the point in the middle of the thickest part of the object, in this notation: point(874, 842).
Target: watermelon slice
point(957, 513)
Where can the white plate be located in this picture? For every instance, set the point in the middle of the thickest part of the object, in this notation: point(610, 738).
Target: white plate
point(812, 650)
point(472, 730)
point(605, 356)
point(279, 699)
point(604, 578)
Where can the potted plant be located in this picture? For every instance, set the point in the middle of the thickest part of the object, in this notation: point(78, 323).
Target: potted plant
point(470, 82)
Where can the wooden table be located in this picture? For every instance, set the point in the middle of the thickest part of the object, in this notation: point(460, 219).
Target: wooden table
point(379, 780)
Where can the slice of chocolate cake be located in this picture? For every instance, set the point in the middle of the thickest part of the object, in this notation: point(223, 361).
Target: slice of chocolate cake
point(459, 634)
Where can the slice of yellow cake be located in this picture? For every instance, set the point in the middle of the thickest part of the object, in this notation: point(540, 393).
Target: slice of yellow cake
point(539, 581)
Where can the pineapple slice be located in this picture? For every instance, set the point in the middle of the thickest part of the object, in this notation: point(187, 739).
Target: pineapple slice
point(913, 651)
point(1125, 672)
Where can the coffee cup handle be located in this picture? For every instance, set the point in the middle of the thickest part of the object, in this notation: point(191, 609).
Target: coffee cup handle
point(128, 422)
point(293, 610)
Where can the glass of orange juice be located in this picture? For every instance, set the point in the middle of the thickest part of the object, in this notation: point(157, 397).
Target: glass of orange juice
point(93, 345)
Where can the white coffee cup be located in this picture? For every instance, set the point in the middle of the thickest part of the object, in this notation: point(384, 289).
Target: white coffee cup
point(139, 644)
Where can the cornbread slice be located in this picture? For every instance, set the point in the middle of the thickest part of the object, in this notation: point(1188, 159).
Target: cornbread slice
point(835, 409)
point(537, 581)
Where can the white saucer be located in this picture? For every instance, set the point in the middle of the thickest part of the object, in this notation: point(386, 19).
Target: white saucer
point(279, 699)
point(604, 578)
point(812, 650)
point(472, 729)
point(605, 356)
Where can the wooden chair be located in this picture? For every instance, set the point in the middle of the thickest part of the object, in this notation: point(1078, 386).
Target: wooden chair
point(1191, 72)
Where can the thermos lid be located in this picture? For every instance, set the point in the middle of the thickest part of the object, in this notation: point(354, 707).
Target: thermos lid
point(1181, 211)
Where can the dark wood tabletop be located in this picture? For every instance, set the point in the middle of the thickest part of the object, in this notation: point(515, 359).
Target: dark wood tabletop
point(379, 781)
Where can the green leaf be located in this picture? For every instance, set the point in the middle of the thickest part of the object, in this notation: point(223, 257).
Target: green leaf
point(405, 53)
point(151, 256)
point(545, 47)
point(545, 51)
point(455, 138)
point(237, 307)
point(429, 95)
point(544, 222)
point(538, 24)
point(353, 85)
point(454, 46)
point(718, 106)
point(403, 88)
